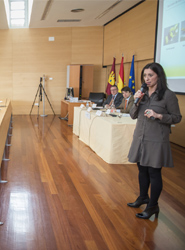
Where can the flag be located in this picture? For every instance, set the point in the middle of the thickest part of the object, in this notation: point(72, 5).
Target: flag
point(112, 77)
point(131, 83)
point(121, 78)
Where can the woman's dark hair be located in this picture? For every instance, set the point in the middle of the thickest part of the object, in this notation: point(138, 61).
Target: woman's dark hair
point(161, 82)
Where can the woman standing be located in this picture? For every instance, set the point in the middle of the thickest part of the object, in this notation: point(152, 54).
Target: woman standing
point(157, 110)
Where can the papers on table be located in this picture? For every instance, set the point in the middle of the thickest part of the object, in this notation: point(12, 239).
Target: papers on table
point(87, 115)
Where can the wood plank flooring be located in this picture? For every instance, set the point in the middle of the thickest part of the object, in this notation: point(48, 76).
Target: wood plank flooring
point(61, 195)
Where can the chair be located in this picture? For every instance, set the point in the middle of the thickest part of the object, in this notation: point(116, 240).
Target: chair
point(97, 98)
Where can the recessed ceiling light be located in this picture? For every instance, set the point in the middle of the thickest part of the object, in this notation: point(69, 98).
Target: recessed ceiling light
point(77, 10)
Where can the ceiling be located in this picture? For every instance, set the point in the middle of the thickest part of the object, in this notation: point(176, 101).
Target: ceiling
point(96, 12)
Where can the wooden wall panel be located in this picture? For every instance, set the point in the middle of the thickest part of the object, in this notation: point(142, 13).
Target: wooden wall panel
point(33, 57)
point(74, 79)
point(6, 46)
point(100, 79)
point(33, 52)
point(87, 80)
point(112, 42)
point(26, 55)
point(87, 48)
point(132, 33)
point(138, 34)
point(87, 45)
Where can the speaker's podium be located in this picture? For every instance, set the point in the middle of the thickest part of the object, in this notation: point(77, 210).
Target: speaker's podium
point(67, 110)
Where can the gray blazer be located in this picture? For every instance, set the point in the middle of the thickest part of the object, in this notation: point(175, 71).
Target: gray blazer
point(117, 100)
point(150, 145)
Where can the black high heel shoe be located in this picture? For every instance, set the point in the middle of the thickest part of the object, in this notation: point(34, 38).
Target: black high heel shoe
point(148, 212)
point(140, 201)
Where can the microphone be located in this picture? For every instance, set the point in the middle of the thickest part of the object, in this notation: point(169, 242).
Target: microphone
point(143, 90)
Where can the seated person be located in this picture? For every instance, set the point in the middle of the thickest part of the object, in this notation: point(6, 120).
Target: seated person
point(128, 100)
point(115, 98)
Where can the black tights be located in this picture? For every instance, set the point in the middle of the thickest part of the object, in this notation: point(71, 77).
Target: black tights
point(147, 176)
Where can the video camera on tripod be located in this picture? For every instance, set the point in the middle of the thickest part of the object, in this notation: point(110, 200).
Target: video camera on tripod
point(39, 90)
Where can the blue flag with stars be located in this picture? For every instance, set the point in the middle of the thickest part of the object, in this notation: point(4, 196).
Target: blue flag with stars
point(131, 83)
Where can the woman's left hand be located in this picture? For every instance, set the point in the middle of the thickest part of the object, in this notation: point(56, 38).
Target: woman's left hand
point(150, 113)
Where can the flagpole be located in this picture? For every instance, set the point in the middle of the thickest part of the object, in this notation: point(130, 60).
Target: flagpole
point(132, 77)
point(120, 83)
point(112, 77)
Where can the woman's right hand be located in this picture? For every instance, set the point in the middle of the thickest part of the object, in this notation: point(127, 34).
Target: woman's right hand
point(138, 94)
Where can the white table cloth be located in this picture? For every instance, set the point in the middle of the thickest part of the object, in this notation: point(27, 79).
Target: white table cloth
point(110, 137)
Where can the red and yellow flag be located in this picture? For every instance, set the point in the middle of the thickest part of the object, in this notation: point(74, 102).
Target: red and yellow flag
point(112, 77)
point(121, 80)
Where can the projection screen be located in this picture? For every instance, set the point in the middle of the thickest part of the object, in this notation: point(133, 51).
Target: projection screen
point(170, 42)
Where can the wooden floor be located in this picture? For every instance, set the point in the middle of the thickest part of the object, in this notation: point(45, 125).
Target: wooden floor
point(61, 195)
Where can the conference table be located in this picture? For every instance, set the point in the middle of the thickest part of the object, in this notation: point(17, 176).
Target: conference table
point(109, 137)
point(5, 117)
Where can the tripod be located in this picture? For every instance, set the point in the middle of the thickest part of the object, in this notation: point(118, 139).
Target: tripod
point(39, 90)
